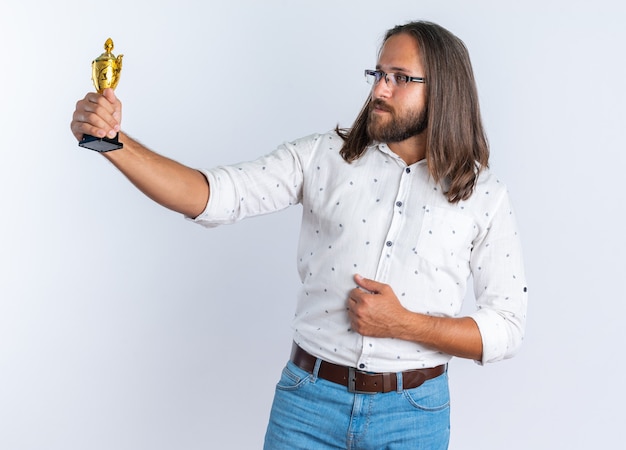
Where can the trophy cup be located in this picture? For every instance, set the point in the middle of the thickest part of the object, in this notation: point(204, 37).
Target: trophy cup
point(105, 73)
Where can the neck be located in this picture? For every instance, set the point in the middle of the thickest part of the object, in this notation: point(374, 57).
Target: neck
point(411, 150)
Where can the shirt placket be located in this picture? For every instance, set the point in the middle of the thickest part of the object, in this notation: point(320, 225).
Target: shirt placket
point(385, 260)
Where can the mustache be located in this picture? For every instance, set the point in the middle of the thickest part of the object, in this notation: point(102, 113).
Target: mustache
point(380, 104)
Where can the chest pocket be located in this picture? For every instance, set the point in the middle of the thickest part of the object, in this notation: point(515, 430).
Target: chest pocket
point(446, 237)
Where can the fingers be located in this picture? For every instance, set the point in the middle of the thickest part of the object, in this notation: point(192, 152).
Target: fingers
point(98, 115)
point(365, 287)
point(356, 295)
point(109, 94)
point(369, 285)
point(358, 309)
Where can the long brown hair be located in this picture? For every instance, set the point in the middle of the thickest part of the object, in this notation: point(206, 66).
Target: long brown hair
point(456, 144)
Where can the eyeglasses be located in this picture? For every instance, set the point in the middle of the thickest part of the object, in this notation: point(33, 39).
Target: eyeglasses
point(374, 76)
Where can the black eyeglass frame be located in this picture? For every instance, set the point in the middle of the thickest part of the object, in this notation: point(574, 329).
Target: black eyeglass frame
point(397, 78)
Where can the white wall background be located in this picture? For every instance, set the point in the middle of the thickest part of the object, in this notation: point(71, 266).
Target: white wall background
point(123, 326)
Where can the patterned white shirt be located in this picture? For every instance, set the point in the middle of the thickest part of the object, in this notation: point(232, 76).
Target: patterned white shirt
point(390, 222)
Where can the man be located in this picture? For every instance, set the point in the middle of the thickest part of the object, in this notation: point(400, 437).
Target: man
point(398, 212)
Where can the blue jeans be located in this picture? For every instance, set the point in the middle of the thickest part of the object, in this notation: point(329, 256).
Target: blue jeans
point(312, 413)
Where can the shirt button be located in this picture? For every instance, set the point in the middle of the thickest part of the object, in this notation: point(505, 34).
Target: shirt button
point(361, 366)
point(408, 170)
point(398, 204)
point(389, 243)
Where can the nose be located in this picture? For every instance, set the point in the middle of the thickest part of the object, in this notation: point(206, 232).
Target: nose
point(381, 89)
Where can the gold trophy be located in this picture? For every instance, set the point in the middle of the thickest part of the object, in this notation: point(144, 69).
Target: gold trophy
point(105, 73)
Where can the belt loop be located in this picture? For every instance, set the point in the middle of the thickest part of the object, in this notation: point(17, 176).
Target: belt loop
point(316, 369)
point(388, 381)
point(399, 381)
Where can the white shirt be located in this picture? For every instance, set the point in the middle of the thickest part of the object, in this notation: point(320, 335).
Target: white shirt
point(390, 222)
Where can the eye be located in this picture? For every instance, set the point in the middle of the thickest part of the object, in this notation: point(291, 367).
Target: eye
point(401, 79)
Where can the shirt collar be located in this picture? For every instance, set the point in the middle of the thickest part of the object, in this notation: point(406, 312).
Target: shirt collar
point(384, 148)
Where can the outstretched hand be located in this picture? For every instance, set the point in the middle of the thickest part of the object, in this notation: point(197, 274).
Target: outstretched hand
point(98, 115)
point(374, 309)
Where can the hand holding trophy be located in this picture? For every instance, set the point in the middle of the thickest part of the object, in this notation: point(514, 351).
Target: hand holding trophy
point(105, 73)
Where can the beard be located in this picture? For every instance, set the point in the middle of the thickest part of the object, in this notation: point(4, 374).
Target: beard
point(398, 127)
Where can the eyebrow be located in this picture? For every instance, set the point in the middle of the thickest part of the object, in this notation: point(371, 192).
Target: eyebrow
point(394, 69)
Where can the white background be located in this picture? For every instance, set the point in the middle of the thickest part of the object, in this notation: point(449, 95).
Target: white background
point(124, 326)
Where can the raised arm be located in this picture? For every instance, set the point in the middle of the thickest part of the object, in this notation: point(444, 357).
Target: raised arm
point(167, 182)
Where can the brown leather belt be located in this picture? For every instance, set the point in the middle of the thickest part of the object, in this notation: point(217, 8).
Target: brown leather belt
point(363, 382)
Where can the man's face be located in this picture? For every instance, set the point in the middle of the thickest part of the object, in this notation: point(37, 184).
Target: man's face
point(397, 113)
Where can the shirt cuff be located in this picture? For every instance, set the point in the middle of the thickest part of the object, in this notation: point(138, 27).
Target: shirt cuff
point(495, 336)
point(215, 213)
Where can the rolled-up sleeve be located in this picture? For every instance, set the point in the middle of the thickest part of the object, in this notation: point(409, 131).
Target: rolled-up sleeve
point(499, 284)
point(268, 184)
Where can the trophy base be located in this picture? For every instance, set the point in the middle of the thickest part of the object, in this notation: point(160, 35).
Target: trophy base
point(101, 145)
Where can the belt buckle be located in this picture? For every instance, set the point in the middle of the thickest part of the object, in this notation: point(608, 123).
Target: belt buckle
point(352, 372)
